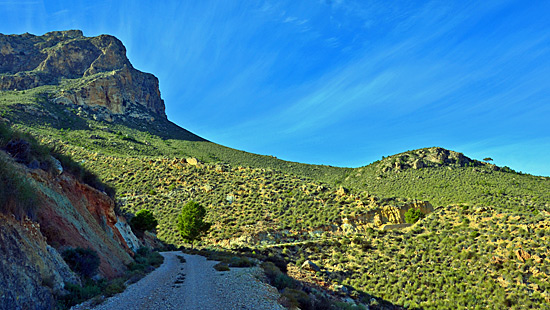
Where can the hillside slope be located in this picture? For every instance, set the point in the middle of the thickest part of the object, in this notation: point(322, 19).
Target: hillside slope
point(50, 205)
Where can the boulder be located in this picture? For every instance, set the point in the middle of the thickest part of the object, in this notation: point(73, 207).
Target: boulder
point(57, 165)
point(342, 191)
point(192, 161)
point(309, 265)
point(522, 255)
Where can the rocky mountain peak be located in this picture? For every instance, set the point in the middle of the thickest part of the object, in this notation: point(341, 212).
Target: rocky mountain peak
point(91, 71)
point(426, 157)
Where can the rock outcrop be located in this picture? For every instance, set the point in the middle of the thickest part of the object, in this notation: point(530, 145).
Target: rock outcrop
point(73, 214)
point(423, 158)
point(92, 71)
point(376, 215)
point(380, 217)
point(31, 271)
point(69, 214)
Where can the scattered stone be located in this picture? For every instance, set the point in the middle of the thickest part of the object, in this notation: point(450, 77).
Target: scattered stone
point(522, 255)
point(311, 266)
point(342, 191)
point(192, 161)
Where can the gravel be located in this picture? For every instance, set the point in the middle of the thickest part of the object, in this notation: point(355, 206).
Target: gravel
point(194, 284)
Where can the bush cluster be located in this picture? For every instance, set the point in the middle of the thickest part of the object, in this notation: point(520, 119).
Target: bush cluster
point(17, 195)
point(85, 262)
point(145, 261)
point(143, 220)
point(413, 215)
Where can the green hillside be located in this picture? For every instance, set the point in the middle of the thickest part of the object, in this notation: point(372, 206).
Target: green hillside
point(485, 218)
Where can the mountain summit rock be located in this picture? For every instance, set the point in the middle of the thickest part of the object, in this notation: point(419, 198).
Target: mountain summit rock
point(92, 71)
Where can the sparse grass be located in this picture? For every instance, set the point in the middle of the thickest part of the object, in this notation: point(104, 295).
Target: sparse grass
point(17, 195)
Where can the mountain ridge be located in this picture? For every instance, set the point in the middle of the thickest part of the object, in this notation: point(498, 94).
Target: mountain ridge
point(481, 239)
point(110, 80)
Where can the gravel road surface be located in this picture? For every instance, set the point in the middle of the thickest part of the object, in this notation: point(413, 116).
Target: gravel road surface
point(192, 285)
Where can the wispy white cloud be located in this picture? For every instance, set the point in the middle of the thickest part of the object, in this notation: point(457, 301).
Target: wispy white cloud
point(290, 19)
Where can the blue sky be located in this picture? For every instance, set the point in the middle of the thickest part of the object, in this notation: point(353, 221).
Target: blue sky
point(336, 82)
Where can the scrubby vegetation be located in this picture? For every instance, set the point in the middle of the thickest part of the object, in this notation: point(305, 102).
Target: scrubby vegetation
point(24, 148)
point(458, 256)
point(146, 261)
point(485, 245)
point(82, 261)
point(17, 195)
point(413, 215)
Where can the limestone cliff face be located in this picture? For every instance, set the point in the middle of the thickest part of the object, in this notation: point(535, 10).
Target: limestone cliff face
point(103, 73)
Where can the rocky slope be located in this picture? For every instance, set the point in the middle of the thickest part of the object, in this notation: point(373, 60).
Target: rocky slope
point(72, 214)
point(31, 271)
point(425, 158)
point(90, 71)
point(68, 214)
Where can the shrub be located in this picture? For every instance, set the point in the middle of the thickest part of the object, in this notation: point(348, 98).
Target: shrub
point(83, 261)
point(276, 277)
point(116, 286)
point(17, 196)
point(77, 294)
point(143, 221)
point(297, 298)
point(278, 261)
point(237, 261)
point(221, 267)
point(413, 215)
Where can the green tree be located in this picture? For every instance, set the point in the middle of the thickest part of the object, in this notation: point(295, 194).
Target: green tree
point(190, 222)
point(144, 220)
